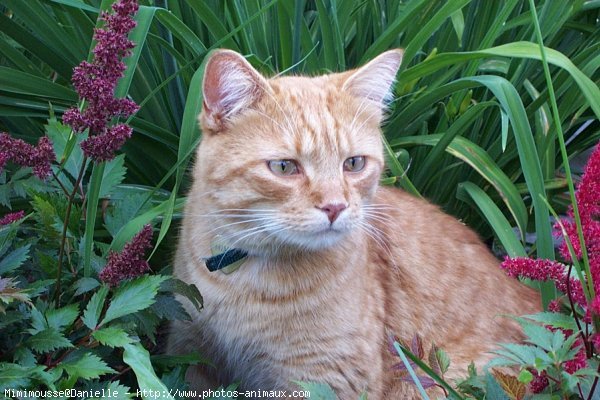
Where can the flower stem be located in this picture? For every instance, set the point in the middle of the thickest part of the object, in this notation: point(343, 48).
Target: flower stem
point(63, 240)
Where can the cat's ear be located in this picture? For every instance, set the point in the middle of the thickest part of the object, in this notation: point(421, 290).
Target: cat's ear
point(230, 85)
point(374, 80)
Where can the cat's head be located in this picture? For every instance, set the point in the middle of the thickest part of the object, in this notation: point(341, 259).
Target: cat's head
point(290, 161)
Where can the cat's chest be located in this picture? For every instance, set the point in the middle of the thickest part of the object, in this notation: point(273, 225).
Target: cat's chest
point(285, 337)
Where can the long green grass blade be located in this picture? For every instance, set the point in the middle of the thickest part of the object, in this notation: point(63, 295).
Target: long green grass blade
point(495, 218)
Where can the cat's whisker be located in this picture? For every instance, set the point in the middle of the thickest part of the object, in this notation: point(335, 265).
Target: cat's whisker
point(249, 233)
point(378, 236)
point(247, 210)
point(379, 219)
point(230, 215)
point(221, 227)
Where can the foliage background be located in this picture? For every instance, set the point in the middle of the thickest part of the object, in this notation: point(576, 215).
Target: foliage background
point(469, 129)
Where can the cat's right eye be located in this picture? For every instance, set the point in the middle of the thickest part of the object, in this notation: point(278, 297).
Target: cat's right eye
point(283, 167)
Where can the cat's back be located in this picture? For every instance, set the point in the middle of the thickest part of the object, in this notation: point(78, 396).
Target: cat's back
point(440, 280)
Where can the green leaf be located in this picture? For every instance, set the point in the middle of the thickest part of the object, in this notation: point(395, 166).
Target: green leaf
point(14, 376)
point(442, 359)
point(84, 285)
point(66, 147)
point(93, 196)
point(62, 317)
point(89, 366)
point(553, 319)
point(525, 376)
point(494, 216)
point(123, 211)
point(481, 162)
point(138, 359)
point(493, 389)
point(540, 336)
point(133, 296)
point(48, 340)
point(111, 336)
point(114, 173)
point(14, 259)
point(188, 290)
point(94, 308)
point(15, 81)
point(167, 307)
point(318, 391)
point(121, 392)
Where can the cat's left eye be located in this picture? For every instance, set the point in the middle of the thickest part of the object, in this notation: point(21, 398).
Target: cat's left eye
point(283, 167)
point(354, 164)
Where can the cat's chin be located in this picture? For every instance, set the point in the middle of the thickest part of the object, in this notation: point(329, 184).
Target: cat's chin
point(315, 241)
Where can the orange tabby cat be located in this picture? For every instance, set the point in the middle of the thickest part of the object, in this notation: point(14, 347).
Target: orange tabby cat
point(287, 173)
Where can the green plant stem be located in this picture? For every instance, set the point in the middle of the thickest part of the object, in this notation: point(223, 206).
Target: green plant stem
point(586, 343)
point(563, 150)
point(63, 240)
point(593, 388)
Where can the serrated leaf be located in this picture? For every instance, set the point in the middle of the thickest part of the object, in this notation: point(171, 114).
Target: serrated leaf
point(48, 340)
point(62, 317)
point(94, 308)
point(133, 296)
point(66, 147)
point(14, 259)
point(511, 385)
point(416, 346)
point(125, 210)
point(438, 360)
point(189, 291)
point(166, 306)
point(121, 392)
point(114, 173)
point(539, 335)
point(113, 337)
point(318, 391)
point(84, 285)
point(89, 366)
point(38, 321)
point(138, 359)
point(556, 320)
point(14, 376)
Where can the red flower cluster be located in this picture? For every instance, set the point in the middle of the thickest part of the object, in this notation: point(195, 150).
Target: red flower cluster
point(12, 217)
point(130, 262)
point(588, 202)
point(96, 82)
point(544, 270)
point(38, 157)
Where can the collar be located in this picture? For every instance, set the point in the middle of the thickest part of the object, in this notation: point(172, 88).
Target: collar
point(230, 258)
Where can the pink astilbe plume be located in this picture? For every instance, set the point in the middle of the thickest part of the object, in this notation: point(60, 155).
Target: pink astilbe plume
point(96, 82)
point(130, 262)
point(544, 270)
point(588, 202)
point(11, 217)
point(39, 157)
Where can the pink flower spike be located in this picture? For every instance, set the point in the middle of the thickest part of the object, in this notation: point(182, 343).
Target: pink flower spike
point(130, 262)
point(12, 217)
point(544, 270)
point(39, 157)
point(96, 82)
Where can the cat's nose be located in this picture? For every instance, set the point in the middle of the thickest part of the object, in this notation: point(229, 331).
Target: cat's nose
point(333, 210)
